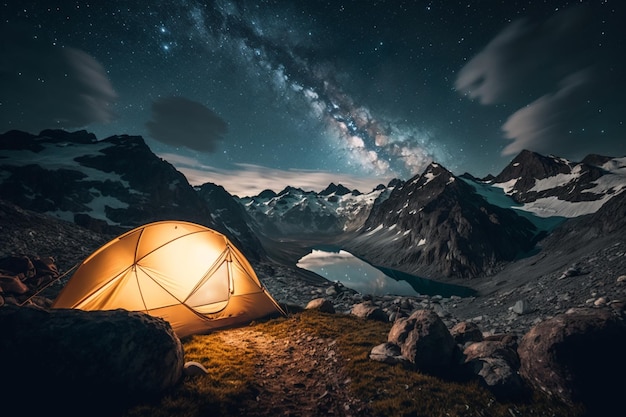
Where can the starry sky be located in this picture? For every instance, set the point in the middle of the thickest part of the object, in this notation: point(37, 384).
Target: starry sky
point(253, 95)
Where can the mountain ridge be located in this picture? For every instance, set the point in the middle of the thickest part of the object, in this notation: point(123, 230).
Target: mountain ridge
point(437, 224)
point(108, 185)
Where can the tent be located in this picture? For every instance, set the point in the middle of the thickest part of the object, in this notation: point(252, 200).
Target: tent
point(185, 273)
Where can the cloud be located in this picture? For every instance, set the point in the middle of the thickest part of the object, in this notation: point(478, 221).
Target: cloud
point(527, 59)
point(179, 121)
point(561, 75)
point(249, 180)
point(45, 86)
point(552, 122)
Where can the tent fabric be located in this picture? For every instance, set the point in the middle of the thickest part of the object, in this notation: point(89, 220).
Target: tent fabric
point(185, 273)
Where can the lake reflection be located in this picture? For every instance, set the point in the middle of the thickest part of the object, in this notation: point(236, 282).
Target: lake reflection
point(359, 275)
point(352, 272)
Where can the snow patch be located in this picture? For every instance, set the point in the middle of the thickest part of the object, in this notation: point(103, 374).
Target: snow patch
point(558, 180)
point(378, 229)
point(508, 186)
point(552, 206)
point(429, 177)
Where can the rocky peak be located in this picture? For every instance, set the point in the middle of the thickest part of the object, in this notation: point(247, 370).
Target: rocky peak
point(396, 182)
point(289, 190)
point(267, 194)
point(530, 166)
point(552, 184)
point(59, 135)
point(436, 225)
point(335, 189)
point(596, 160)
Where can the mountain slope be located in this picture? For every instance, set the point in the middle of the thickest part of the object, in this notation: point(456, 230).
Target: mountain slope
point(550, 186)
point(437, 226)
point(107, 185)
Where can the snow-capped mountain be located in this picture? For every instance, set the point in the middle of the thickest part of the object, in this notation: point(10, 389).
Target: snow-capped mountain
point(437, 225)
point(440, 225)
point(549, 186)
point(108, 185)
point(293, 211)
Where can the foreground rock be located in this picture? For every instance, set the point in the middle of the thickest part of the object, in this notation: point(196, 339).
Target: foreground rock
point(578, 357)
point(425, 341)
point(72, 359)
point(496, 364)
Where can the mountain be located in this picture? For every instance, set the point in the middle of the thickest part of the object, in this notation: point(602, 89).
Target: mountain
point(293, 211)
point(437, 225)
point(108, 185)
point(225, 210)
point(550, 186)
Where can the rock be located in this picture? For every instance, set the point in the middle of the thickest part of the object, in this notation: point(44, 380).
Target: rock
point(466, 331)
point(570, 272)
point(321, 304)
point(499, 377)
point(23, 275)
point(12, 284)
point(621, 278)
point(14, 265)
point(425, 341)
point(388, 353)
point(600, 302)
point(110, 358)
point(495, 363)
point(489, 348)
point(369, 311)
point(522, 307)
point(571, 356)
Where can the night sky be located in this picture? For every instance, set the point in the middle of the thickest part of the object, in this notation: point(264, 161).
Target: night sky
point(263, 94)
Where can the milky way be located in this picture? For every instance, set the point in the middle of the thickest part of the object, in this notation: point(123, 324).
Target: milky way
point(264, 94)
point(374, 145)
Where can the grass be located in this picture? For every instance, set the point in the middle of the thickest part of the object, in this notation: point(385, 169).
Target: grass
point(388, 390)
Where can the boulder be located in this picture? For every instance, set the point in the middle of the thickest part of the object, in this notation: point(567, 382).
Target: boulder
point(387, 353)
point(71, 359)
point(497, 375)
point(369, 311)
point(321, 304)
point(466, 331)
point(495, 364)
point(425, 341)
point(578, 357)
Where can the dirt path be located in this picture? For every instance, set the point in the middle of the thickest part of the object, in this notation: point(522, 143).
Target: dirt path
point(304, 372)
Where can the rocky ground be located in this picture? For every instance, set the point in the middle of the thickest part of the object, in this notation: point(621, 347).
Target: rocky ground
point(304, 372)
point(565, 273)
point(521, 295)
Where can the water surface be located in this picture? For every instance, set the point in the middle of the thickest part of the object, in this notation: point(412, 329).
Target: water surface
point(341, 266)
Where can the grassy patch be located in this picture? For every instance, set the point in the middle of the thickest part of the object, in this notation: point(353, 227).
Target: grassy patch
point(230, 382)
point(388, 390)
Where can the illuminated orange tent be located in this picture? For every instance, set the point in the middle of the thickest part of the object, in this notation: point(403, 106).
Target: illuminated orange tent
point(185, 273)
